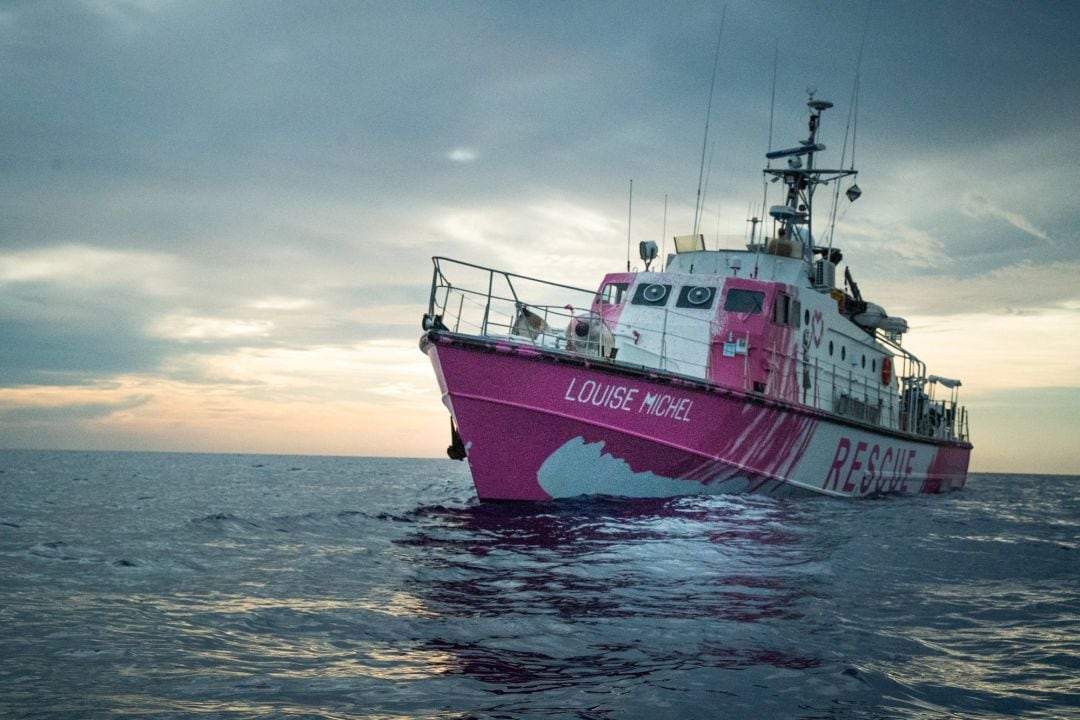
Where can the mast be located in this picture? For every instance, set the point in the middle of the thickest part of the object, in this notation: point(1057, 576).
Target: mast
point(801, 179)
point(816, 108)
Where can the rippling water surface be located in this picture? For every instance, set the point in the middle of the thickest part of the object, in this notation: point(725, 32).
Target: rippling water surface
point(167, 586)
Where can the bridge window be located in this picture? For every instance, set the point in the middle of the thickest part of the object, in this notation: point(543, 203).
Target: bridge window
point(786, 311)
point(700, 298)
point(653, 294)
point(744, 301)
point(612, 293)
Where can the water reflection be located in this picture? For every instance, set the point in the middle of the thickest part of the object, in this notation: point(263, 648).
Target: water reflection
point(600, 594)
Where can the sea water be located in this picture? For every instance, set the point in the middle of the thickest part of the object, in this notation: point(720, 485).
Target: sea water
point(239, 586)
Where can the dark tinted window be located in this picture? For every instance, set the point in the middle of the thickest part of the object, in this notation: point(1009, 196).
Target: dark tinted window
point(700, 298)
point(653, 294)
point(786, 310)
point(744, 301)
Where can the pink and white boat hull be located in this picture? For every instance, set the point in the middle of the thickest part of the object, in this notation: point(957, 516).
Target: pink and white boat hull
point(538, 425)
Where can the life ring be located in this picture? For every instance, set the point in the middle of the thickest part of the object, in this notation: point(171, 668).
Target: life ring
point(886, 371)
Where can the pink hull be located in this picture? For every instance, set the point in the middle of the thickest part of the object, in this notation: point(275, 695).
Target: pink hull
point(542, 425)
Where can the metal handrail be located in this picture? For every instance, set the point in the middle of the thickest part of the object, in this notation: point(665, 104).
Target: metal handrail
point(836, 387)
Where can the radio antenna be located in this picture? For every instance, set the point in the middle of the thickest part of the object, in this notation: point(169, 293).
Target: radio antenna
point(772, 102)
point(708, 113)
point(663, 237)
point(768, 164)
point(850, 131)
point(629, 216)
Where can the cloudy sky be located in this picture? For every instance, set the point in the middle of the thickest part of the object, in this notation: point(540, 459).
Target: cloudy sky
point(217, 218)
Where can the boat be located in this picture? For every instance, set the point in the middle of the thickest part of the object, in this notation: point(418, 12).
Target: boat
point(722, 371)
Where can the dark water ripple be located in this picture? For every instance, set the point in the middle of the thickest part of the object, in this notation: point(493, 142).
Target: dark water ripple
point(176, 586)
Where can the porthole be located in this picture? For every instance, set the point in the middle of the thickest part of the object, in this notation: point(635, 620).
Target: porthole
point(654, 293)
point(843, 353)
point(873, 366)
point(830, 347)
point(806, 317)
point(864, 361)
point(696, 297)
point(699, 295)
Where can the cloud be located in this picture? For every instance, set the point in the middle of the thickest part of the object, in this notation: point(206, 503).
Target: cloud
point(537, 237)
point(1023, 288)
point(277, 302)
point(193, 328)
point(73, 312)
point(978, 206)
point(127, 16)
point(994, 352)
point(463, 155)
point(39, 407)
point(918, 248)
point(76, 264)
point(148, 412)
point(327, 372)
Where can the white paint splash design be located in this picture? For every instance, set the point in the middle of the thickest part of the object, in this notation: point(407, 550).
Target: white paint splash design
point(581, 468)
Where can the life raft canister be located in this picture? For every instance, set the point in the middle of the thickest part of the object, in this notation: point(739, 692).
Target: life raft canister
point(886, 371)
point(589, 335)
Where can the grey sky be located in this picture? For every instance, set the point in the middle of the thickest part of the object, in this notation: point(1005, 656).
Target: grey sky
point(186, 180)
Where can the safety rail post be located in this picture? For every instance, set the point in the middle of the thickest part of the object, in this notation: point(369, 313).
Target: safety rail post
point(487, 306)
point(894, 422)
point(817, 378)
point(832, 384)
point(769, 363)
point(460, 310)
point(866, 399)
point(445, 305)
point(877, 397)
point(434, 290)
point(543, 335)
point(663, 341)
point(746, 364)
point(850, 394)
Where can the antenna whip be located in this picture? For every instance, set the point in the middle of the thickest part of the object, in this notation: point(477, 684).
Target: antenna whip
point(768, 163)
point(708, 114)
point(663, 237)
point(629, 216)
point(851, 129)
